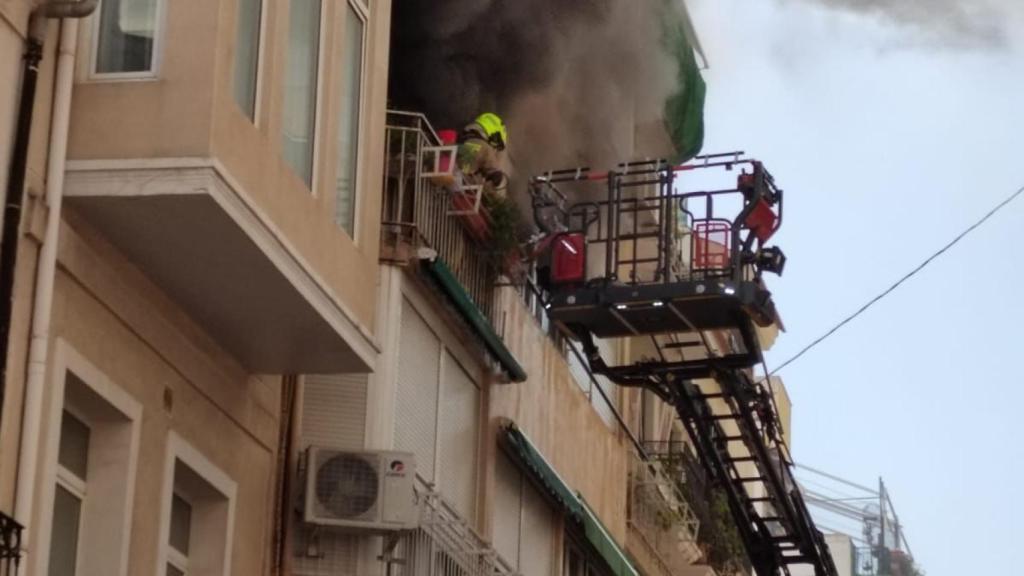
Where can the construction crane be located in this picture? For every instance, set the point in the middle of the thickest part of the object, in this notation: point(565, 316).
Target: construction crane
point(627, 255)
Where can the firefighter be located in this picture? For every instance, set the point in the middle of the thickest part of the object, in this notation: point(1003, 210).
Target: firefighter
point(480, 145)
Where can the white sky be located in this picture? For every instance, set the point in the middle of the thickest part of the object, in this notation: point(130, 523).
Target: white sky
point(888, 144)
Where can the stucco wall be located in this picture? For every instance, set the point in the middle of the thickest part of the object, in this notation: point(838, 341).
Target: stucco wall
point(108, 313)
point(558, 417)
point(189, 111)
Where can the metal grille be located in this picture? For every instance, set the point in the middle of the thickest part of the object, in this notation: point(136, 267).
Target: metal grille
point(661, 516)
point(416, 209)
point(419, 360)
point(10, 545)
point(445, 545)
point(334, 411)
point(459, 433)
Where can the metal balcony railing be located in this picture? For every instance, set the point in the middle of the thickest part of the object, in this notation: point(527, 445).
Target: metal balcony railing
point(445, 545)
point(661, 516)
point(10, 545)
point(417, 210)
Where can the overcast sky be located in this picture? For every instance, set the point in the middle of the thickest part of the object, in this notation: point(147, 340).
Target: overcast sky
point(889, 138)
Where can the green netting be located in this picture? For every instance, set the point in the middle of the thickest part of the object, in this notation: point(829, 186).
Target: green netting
point(684, 109)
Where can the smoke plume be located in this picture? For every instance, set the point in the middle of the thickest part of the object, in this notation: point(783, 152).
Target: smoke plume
point(950, 23)
point(571, 77)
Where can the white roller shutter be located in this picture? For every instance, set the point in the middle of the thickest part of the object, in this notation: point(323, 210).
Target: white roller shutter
point(537, 540)
point(334, 411)
point(459, 433)
point(419, 357)
point(507, 509)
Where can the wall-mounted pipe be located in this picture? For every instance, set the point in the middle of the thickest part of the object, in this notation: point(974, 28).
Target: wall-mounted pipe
point(28, 455)
point(19, 158)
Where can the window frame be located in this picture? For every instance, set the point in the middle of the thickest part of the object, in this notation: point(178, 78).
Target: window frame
point(156, 63)
point(318, 105)
point(363, 12)
point(261, 45)
point(175, 557)
point(179, 451)
point(68, 361)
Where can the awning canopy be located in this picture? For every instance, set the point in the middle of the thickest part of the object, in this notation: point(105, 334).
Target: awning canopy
point(543, 474)
point(478, 323)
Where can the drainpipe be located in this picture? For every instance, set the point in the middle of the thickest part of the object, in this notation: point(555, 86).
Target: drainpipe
point(42, 301)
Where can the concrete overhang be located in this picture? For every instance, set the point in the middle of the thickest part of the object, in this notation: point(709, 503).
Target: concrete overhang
point(203, 244)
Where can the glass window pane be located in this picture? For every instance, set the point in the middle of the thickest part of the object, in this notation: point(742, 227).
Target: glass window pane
point(181, 524)
point(67, 513)
point(300, 86)
point(172, 571)
point(247, 45)
point(127, 31)
point(348, 118)
point(73, 453)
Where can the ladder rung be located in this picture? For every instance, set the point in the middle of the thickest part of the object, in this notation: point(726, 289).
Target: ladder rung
point(740, 459)
point(749, 480)
point(674, 345)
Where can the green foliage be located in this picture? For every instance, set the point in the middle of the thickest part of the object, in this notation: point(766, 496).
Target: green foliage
point(505, 225)
point(720, 540)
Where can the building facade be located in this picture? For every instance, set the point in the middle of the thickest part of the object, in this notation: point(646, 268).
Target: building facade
point(232, 252)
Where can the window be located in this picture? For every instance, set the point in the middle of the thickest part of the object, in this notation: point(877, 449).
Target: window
point(181, 532)
point(437, 413)
point(72, 468)
point(198, 514)
point(89, 470)
point(348, 117)
point(524, 523)
point(127, 36)
point(247, 48)
point(300, 95)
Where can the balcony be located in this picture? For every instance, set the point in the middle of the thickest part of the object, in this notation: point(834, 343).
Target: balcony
point(193, 232)
point(662, 519)
point(717, 539)
point(10, 545)
point(425, 229)
point(444, 545)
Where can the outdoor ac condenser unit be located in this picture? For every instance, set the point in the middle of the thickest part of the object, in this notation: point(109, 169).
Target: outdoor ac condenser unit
point(360, 490)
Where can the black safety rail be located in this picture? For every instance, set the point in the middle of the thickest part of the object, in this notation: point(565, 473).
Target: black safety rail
point(684, 269)
point(10, 545)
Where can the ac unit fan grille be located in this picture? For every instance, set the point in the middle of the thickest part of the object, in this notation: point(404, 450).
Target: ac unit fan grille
point(347, 487)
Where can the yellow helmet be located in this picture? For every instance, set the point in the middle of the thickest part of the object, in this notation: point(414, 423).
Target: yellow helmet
point(494, 128)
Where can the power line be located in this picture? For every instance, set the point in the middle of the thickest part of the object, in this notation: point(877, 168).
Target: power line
point(908, 276)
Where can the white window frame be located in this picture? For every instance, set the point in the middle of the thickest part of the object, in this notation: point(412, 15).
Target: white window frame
point(363, 12)
point(179, 450)
point(176, 557)
point(321, 66)
point(261, 44)
point(159, 34)
point(66, 359)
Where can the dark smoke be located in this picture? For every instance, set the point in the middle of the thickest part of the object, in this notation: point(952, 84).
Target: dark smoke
point(949, 23)
point(571, 77)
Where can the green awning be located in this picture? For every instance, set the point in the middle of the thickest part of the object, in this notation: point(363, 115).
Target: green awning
point(684, 109)
point(605, 545)
point(527, 455)
point(520, 448)
point(469, 311)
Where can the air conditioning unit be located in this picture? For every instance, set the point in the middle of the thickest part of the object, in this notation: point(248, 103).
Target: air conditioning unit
point(360, 490)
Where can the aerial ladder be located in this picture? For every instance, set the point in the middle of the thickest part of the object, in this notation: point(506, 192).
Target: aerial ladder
point(626, 254)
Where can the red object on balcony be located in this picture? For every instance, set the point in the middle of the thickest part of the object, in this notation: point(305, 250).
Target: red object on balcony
point(711, 244)
point(568, 259)
point(762, 221)
point(448, 138)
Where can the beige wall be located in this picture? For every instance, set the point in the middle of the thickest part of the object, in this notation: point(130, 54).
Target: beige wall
point(109, 314)
point(189, 111)
point(552, 410)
